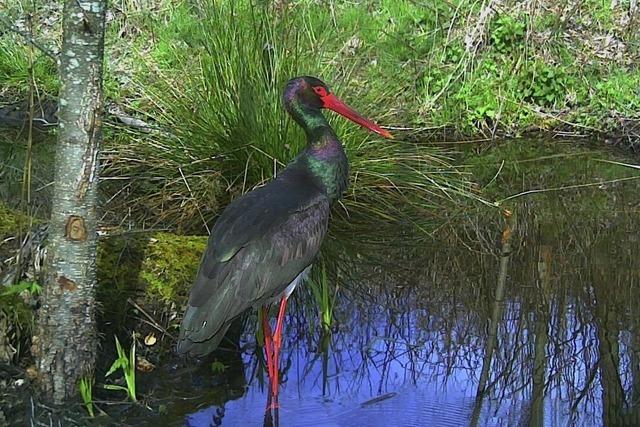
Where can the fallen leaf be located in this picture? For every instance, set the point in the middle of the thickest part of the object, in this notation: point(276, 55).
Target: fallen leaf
point(143, 365)
point(150, 339)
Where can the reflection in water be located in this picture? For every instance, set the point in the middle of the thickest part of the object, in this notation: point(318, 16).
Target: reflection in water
point(496, 316)
point(411, 338)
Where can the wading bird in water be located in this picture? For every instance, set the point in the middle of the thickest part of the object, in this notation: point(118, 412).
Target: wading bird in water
point(264, 243)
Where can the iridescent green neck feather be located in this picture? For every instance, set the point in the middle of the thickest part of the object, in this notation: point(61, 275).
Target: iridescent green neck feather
point(324, 156)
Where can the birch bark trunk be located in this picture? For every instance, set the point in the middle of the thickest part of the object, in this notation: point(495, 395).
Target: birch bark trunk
point(66, 340)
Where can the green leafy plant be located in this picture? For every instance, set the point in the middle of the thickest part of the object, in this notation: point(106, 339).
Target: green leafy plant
point(435, 80)
point(86, 392)
point(217, 367)
point(507, 33)
point(454, 53)
point(32, 288)
point(620, 92)
point(545, 85)
point(483, 114)
point(128, 366)
point(480, 104)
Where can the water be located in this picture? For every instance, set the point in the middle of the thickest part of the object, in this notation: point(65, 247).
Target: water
point(413, 333)
point(414, 326)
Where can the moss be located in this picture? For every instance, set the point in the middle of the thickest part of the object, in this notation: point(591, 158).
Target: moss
point(171, 264)
point(119, 260)
point(161, 267)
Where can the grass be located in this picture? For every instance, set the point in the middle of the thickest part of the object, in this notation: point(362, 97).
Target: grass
point(219, 71)
point(126, 363)
point(325, 297)
point(25, 286)
point(414, 50)
point(15, 64)
point(85, 387)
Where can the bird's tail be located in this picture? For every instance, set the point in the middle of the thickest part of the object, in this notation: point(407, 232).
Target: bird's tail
point(200, 349)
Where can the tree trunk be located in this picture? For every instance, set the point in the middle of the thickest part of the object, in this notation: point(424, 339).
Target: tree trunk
point(66, 341)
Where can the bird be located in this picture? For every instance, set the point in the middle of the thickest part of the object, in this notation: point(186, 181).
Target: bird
point(264, 243)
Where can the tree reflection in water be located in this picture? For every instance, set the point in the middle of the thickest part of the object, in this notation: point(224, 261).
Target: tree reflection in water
point(411, 335)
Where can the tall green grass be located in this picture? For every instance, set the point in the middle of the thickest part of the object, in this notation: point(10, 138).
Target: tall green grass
point(15, 66)
point(324, 297)
point(218, 74)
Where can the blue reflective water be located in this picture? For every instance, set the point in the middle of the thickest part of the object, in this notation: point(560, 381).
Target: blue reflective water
point(408, 349)
point(414, 326)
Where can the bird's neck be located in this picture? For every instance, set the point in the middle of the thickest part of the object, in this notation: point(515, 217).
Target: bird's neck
point(324, 155)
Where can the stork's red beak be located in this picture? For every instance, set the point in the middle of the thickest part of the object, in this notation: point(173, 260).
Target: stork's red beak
point(333, 103)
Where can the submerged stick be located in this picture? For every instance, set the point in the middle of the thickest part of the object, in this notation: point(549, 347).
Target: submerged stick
point(496, 315)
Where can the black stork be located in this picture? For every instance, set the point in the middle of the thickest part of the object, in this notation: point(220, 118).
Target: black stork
point(263, 244)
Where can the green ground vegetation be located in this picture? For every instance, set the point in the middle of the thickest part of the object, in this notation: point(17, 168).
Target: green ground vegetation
point(409, 63)
point(170, 265)
point(17, 320)
point(16, 299)
point(12, 221)
point(85, 387)
point(206, 77)
point(127, 364)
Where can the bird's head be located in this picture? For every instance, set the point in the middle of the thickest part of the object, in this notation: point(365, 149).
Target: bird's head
point(313, 94)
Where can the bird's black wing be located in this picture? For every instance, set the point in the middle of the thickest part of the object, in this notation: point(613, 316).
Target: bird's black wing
point(260, 244)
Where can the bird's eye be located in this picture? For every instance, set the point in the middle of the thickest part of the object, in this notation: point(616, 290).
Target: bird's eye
point(322, 92)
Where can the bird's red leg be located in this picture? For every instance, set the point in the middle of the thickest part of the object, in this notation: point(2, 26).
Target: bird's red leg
point(268, 341)
point(277, 337)
point(277, 344)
